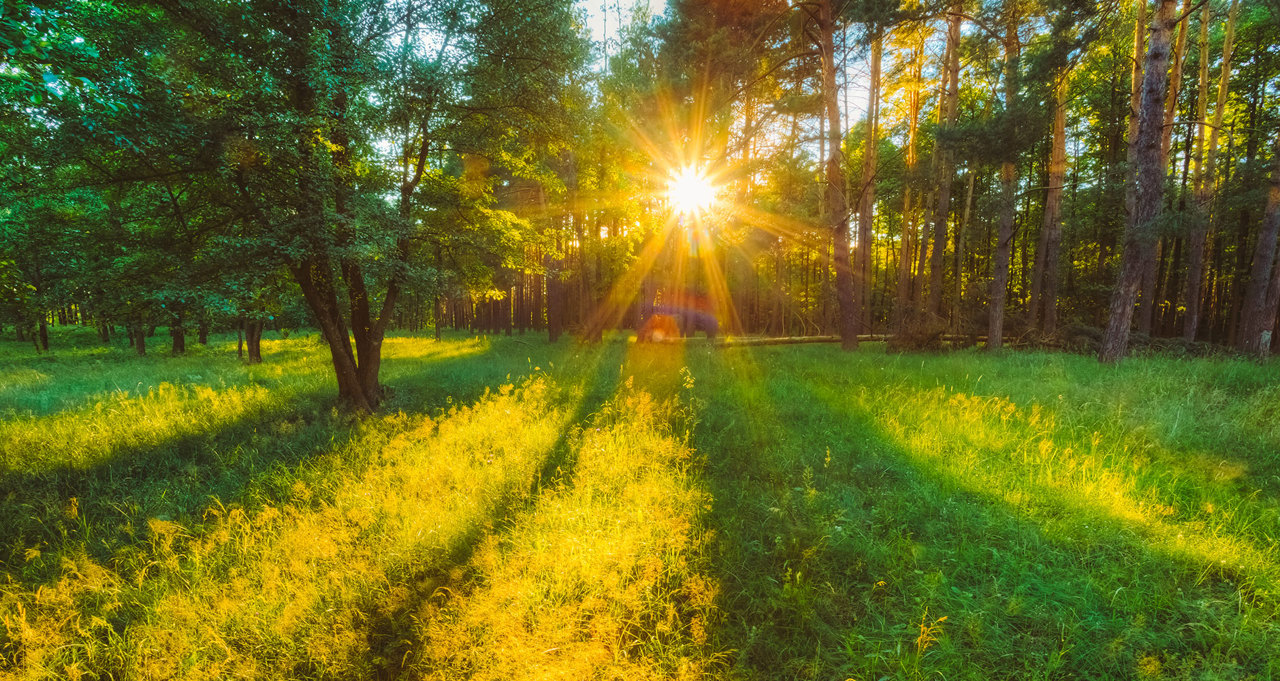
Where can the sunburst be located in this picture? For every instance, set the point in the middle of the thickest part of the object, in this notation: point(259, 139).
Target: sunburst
point(691, 191)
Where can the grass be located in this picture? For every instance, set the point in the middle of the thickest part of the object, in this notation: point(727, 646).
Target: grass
point(523, 510)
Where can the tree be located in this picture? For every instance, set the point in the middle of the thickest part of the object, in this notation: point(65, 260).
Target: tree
point(948, 116)
point(309, 173)
point(1139, 245)
point(835, 203)
point(867, 193)
point(1256, 320)
point(1205, 181)
point(1012, 44)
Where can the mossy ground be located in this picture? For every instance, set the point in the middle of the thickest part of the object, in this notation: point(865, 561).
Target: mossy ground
point(520, 510)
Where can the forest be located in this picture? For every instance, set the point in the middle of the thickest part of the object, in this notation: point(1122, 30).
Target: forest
point(363, 339)
point(984, 171)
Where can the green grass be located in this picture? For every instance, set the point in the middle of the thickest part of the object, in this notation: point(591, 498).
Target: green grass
point(521, 511)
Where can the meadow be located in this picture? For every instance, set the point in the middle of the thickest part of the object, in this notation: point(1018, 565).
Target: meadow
point(523, 510)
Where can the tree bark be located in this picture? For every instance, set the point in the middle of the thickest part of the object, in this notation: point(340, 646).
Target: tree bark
point(1253, 319)
point(902, 297)
point(946, 164)
point(1053, 211)
point(1148, 297)
point(1139, 247)
point(253, 340)
point(1009, 185)
point(139, 338)
point(315, 278)
point(178, 334)
point(867, 197)
point(1175, 81)
point(1206, 179)
point(834, 199)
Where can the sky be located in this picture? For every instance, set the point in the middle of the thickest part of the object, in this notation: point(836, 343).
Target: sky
point(606, 27)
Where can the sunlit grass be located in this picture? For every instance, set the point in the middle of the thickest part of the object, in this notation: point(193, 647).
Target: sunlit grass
point(1061, 516)
point(637, 511)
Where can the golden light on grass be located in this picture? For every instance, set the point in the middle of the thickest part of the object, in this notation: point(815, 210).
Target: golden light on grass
point(690, 191)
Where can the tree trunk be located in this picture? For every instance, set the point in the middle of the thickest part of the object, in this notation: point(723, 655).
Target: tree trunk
point(909, 236)
point(44, 333)
point(253, 340)
point(1206, 179)
point(1139, 247)
point(1271, 307)
point(1253, 320)
point(867, 197)
point(945, 162)
point(1135, 104)
point(555, 299)
point(1045, 277)
point(178, 335)
point(1148, 297)
point(834, 199)
point(139, 337)
point(956, 320)
point(437, 316)
point(1175, 81)
point(315, 278)
point(1053, 210)
point(1008, 182)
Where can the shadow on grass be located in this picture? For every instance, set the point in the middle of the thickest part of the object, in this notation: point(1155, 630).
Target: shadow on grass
point(594, 376)
point(841, 551)
point(102, 507)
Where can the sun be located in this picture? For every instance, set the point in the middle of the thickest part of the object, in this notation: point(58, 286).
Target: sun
point(690, 191)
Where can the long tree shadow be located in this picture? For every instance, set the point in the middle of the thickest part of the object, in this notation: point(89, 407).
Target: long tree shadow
point(593, 375)
point(844, 553)
point(102, 507)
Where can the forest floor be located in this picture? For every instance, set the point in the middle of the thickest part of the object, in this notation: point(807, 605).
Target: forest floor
point(521, 510)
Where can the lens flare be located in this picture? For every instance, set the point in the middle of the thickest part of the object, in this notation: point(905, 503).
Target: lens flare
point(690, 191)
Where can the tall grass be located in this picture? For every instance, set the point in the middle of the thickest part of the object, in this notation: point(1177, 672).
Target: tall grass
point(523, 510)
point(1022, 516)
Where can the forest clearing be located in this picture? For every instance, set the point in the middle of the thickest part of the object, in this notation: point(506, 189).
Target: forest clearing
point(746, 340)
point(637, 511)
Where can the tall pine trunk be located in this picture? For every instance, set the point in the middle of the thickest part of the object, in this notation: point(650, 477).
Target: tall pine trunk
point(834, 200)
point(1044, 298)
point(1008, 192)
point(1139, 246)
point(946, 164)
point(1206, 182)
point(1148, 297)
point(902, 295)
point(1253, 319)
point(867, 197)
